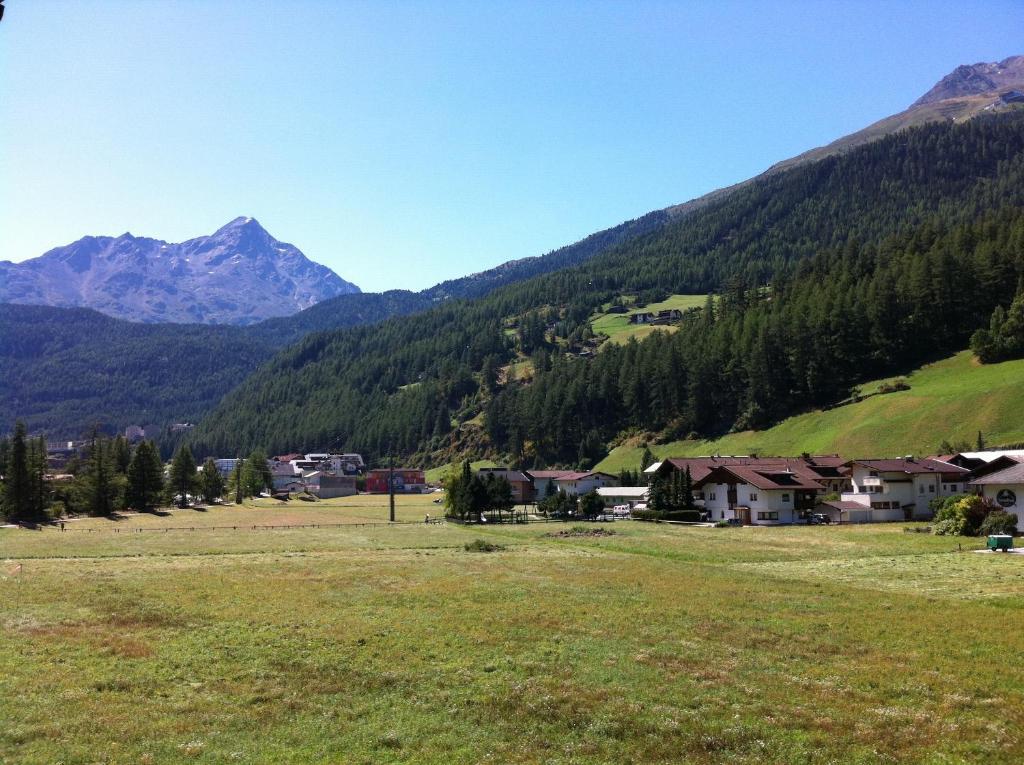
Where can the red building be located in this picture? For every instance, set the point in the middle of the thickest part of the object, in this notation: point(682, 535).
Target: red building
point(407, 481)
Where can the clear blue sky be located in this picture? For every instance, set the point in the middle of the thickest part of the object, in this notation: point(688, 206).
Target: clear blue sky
point(405, 143)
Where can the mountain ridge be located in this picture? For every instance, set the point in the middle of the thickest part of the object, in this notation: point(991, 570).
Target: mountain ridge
point(239, 274)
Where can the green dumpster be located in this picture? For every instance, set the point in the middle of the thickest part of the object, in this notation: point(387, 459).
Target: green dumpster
point(1002, 542)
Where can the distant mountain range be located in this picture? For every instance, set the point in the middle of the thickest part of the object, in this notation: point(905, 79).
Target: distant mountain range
point(240, 274)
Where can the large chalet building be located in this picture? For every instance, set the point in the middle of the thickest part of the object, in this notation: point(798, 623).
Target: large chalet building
point(757, 490)
point(899, 489)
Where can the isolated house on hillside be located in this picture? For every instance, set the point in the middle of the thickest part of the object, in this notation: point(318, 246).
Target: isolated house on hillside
point(901, 489)
point(664, 316)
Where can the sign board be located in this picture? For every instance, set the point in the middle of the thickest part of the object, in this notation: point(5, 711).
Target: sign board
point(1006, 498)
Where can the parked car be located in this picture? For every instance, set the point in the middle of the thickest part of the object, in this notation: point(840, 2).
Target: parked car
point(818, 519)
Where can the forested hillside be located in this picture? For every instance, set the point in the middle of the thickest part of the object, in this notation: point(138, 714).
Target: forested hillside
point(828, 274)
point(68, 369)
point(78, 367)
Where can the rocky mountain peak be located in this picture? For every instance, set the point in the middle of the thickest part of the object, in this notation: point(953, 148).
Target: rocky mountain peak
point(977, 79)
point(240, 274)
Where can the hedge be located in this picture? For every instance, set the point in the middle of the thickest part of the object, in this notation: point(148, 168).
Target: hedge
point(687, 516)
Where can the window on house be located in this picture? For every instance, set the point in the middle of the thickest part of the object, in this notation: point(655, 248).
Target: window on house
point(873, 473)
point(785, 498)
point(931, 488)
point(768, 515)
point(921, 489)
point(953, 487)
point(753, 497)
point(711, 495)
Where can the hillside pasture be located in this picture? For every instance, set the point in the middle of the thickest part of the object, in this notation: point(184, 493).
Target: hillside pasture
point(618, 329)
point(951, 399)
point(365, 644)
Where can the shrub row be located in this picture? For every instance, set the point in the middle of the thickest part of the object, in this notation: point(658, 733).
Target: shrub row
point(687, 516)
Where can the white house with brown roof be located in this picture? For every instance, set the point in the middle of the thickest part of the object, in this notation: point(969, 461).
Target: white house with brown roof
point(763, 494)
point(1005, 489)
point(900, 489)
point(758, 490)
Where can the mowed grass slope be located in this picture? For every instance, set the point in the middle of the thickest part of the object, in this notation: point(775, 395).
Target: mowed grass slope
point(366, 644)
point(950, 400)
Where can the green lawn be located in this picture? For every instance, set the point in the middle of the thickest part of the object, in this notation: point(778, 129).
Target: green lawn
point(951, 399)
point(618, 328)
point(366, 644)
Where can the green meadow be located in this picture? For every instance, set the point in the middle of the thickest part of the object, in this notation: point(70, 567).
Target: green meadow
point(618, 329)
point(200, 639)
point(951, 399)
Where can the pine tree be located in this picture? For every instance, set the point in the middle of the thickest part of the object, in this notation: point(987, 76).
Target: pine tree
point(17, 484)
point(687, 489)
point(237, 481)
point(980, 442)
point(99, 489)
point(39, 493)
point(183, 475)
point(256, 475)
point(211, 481)
point(646, 459)
point(121, 454)
point(145, 478)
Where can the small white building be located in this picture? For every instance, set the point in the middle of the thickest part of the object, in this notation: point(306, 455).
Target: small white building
point(623, 495)
point(578, 484)
point(572, 482)
point(901, 489)
point(1005, 489)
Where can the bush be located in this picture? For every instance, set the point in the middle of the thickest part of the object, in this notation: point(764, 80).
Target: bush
point(723, 524)
point(999, 522)
point(686, 516)
point(960, 515)
point(894, 386)
point(480, 545)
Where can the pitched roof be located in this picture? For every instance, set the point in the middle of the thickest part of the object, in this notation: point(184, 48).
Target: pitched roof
point(812, 468)
point(1012, 474)
point(552, 474)
point(988, 456)
point(574, 476)
point(623, 491)
point(840, 504)
point(761, 477)
point(909, 466)
point(509, 475)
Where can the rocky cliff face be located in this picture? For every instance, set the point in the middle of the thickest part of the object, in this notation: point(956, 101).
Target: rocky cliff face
point(238, 275)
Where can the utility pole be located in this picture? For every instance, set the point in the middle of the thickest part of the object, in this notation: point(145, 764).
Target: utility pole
point(391, 485)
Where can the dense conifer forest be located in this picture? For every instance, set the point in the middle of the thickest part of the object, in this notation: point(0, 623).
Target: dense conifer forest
point(827, 274)
point(70, 369)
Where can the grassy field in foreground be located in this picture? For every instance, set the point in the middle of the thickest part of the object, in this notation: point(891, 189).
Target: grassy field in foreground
point(951, 399)
point(367, 644)
point(618, 328)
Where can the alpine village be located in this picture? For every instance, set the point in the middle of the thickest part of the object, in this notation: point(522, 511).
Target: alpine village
point(738, 480)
